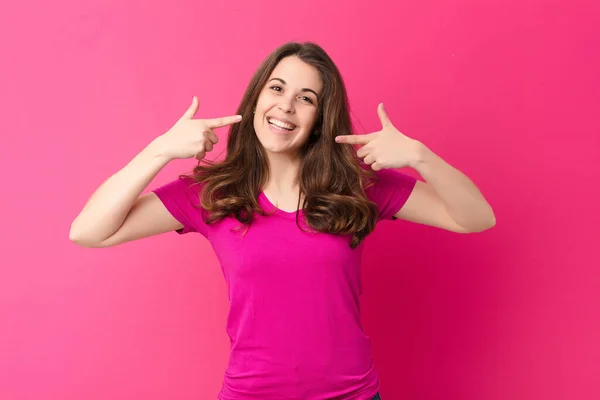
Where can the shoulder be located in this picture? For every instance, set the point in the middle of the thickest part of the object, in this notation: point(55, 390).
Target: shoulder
point(387, 179)
point(389, 189)
point(181, 197)
point(180, 188)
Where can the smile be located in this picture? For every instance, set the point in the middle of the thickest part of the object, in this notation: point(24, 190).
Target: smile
point(280, 125)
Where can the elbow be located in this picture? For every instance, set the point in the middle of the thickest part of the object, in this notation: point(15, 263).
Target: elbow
point(477, 224)
point(488, 225)
point(487, 220)
point(80, 239)
point(84, 242)
point(76, 236)
point(483, 224)
point(490, 220)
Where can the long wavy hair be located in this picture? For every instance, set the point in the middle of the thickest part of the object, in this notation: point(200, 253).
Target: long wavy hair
point(332, 178)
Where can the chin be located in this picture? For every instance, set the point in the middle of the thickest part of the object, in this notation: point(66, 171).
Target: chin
point(274, 143)
point(278, 149)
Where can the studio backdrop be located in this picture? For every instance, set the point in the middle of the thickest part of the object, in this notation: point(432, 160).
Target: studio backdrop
point(507, 91)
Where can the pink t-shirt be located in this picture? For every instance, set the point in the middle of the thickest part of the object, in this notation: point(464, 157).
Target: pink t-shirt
point(294, 320)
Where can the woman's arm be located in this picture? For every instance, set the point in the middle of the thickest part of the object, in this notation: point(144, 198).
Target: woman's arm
point(116, 212)
point(448, 199)
point(108, 207)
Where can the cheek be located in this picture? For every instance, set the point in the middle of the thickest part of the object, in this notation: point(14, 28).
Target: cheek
point(264, 102)
point(311, 119)
point(257, 124)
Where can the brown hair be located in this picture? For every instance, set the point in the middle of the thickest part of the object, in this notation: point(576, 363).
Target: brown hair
point(332, 177)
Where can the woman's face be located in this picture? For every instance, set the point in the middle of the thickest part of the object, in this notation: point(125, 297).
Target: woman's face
point(287, 106)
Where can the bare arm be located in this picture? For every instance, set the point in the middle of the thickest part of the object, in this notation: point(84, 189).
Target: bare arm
point(116, 212)
point(449, 199)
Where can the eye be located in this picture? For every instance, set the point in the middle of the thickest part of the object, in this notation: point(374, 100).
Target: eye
point(306, 98)
point(276, 88)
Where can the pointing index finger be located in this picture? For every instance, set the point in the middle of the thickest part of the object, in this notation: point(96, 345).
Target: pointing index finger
point(353, 139)
point(223, 121)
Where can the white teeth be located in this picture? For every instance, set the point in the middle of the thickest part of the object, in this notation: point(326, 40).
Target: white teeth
point(281, 124)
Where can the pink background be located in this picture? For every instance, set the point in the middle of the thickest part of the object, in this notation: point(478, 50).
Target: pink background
point(507, 91)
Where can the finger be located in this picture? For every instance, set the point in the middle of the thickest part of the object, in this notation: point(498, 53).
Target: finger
point(212, 137)
point(192, 110)
point(363, 151)
point(200, 155)
point(208, 147)
point(223, 121)
point(376, 167)
point(369, 159)
point(383, 117)
point(353, 139)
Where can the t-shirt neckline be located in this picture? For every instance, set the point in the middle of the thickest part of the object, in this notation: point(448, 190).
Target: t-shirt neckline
point(270, 207)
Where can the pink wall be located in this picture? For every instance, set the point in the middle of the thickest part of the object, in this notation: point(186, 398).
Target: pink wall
point(505, 90)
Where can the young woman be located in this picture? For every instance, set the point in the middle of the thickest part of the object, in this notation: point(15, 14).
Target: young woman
point(286, 213)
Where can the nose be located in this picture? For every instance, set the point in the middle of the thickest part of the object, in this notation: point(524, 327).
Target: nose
point(287, 105)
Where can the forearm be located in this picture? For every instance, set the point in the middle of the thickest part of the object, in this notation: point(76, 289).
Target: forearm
point(109, 205)
point(462, 199)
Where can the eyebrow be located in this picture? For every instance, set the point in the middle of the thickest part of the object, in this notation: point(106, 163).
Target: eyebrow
point(303, 89)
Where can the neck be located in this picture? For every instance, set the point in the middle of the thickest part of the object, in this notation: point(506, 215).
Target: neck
point(284, 171)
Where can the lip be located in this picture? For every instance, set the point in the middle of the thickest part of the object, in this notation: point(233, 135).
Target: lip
point(287, 121)
point(278, 130)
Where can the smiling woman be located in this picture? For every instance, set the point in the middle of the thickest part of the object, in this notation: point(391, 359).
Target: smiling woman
point(298, 104)
point(305, 200)
point(279, 97)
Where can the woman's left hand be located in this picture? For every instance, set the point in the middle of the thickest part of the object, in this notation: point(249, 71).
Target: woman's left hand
point(387, 148)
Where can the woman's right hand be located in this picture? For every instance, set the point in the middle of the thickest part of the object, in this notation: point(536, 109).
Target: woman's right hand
point(190, 137)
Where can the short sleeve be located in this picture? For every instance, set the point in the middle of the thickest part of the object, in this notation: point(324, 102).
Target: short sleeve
point(390, 191)
point(181, 199)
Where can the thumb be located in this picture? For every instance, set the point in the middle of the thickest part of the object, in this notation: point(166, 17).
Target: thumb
point(383, 117)
point(192, 110)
